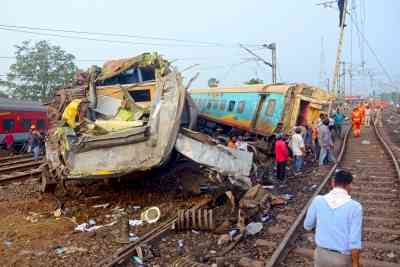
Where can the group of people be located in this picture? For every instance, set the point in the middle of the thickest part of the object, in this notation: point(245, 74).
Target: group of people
point(317, 140)
point(34, 142)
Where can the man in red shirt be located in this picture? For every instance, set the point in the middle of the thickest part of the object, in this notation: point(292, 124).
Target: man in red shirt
point(281, 157)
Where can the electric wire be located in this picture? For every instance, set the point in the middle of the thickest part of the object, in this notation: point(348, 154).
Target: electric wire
point(43, 30)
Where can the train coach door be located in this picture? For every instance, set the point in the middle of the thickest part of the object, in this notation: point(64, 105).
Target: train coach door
point(269, 113)
point(258, 111)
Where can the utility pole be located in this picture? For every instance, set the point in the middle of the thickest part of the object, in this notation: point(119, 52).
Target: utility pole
point(339, 50)
point(322, 72)
point(272, 65)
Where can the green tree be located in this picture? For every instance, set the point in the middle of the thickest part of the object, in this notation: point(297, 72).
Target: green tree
point(38, 70)
point(254, 81)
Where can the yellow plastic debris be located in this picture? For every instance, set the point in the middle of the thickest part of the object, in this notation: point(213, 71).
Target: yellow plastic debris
point(103, 172)
point(70, 113)
point(124, 115)
point(116, 125)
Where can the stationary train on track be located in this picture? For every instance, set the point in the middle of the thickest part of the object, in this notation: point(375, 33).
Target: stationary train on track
point(18, 116)
point(259, 108)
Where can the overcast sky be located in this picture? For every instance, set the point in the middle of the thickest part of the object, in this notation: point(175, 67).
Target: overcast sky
point(297, 26)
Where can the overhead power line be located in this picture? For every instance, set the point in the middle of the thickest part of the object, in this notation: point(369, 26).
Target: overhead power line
point(367, 43)
point(184, 42)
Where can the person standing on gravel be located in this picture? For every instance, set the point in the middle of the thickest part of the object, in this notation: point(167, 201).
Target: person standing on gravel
point(337, 220)
point(281, 157)
point(325, 143)
point(298, 149)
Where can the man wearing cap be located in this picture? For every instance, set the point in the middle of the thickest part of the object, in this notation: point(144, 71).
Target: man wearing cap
point(337, 220)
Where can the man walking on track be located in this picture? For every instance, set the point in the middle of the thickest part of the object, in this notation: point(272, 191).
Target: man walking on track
point(326, 143)
point(337, 220)
point(368, 114)
point(356, 119)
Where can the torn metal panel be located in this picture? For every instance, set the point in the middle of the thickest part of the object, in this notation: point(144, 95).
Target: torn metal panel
point(107, 105)
point(235, 163)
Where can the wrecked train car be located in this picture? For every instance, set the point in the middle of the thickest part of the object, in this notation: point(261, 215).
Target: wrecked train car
point(259, 108)
point(119, 119)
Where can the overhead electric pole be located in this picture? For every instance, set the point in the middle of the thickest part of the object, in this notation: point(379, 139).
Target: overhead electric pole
point(339, 51)
point(272, 47)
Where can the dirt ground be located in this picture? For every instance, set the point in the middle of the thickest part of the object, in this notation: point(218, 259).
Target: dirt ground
point(31, 235)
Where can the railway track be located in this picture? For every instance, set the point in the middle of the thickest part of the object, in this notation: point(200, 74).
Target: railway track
point(18, 167)
point(376, 186)
point(124, 255)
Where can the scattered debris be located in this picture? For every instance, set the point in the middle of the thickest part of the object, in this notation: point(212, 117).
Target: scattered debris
point(365, 142)
point(135, 222)
point(247, 262)
point(7, 243)
point(195, 232)
point(288, 196)
point(133, 237)
point(179, 247)
point(391, 255)
point(254, 228)
point(270, 187)
point(151, 215)
point(264, 243)
point(224, 239)
point(201, 219)
point(101, 206)
point(59, 250)
point(68, 250)
point(57, 213)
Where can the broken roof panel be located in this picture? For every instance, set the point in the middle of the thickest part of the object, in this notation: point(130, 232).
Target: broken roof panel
point(113, 68)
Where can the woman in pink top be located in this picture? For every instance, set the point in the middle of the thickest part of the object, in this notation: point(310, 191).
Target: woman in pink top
point(281, 157)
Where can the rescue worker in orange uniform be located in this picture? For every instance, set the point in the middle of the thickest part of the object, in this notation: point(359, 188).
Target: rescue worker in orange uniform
point(356, 119)
point(362, 111)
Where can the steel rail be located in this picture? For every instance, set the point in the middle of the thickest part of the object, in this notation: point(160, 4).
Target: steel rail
point(388, 150)
point(125, 252)
point(282, 250)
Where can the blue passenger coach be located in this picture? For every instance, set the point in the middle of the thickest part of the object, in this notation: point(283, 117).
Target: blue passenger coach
point(259, 108)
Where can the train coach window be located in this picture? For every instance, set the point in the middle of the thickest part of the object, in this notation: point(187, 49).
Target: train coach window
point(231, 105)
point(215, 104)
point(40, 124)
point(8, 124)
point(26, 124)
point(240, 107)
point(270, 108)
point(141, 95)
point(222, 105)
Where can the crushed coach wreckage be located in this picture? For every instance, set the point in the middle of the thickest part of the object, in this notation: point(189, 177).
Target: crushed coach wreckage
point(111, 123)
point(122, 118)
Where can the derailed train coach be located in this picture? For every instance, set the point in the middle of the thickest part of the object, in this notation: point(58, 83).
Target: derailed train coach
point(121, 118)
point(259, 108)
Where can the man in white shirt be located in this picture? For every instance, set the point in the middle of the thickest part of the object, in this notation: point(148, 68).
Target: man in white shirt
point(298, 149)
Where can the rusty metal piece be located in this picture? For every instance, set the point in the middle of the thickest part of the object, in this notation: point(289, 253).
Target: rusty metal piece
point(201, 219)
point(121, 232)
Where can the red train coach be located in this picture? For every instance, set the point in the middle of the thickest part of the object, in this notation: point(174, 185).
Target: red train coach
point(18, 116)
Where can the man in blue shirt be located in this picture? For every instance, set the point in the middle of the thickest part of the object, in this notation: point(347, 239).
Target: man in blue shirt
point(339, 118)
point(337, 220)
